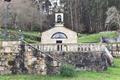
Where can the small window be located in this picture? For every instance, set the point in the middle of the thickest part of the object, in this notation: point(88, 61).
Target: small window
point(59, 35)
point(59, 20)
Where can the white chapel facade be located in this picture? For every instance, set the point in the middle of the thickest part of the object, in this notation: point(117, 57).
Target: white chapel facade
point(59, 34)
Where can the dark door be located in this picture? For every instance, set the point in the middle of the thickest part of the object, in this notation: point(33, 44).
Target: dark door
point(59, 46)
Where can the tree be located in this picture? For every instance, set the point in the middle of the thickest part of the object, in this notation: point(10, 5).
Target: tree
point(113, 19)
point(84, 16)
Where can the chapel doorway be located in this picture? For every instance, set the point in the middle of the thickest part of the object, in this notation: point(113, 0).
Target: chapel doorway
point(59, 46)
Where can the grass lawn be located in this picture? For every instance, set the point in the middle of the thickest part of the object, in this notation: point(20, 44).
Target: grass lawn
point(95, 38)
point(31, 37)
point(113, 73)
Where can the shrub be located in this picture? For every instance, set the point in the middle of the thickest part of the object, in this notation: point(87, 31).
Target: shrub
point(67, 70)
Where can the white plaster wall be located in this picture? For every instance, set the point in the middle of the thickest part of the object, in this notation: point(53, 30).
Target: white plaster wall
point(46, 36)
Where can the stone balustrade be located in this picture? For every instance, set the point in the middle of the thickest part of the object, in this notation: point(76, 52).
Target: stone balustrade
point(69, 47)
point(13, 47)
point(114, 48)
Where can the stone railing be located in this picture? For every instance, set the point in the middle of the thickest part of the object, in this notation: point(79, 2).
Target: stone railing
point(13, 47)
point(114, 48)
point(69, 47)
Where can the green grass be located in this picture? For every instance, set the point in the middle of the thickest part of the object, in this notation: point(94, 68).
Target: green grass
point(113, 73)
point(95, 38)
point(0, 37)
point(31, 37)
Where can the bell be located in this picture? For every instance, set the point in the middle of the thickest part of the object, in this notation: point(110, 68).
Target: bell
point(7, 0)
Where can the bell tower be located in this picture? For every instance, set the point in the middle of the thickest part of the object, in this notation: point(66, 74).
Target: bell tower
point(59, 19)
point(59, 15)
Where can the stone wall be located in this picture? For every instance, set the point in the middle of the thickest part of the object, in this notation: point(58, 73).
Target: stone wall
point(8, 52)
point(24, 60)
point(91, 61)
point(4, 63)
point(31, 61)
point(44, 64)
point(35, 63)
point(9, 46)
